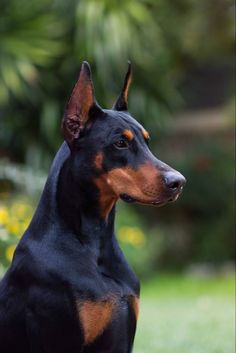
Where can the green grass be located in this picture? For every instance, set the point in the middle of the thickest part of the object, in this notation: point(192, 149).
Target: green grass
point(187, 315)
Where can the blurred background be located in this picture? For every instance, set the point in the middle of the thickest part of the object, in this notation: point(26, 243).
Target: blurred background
point(183, 92)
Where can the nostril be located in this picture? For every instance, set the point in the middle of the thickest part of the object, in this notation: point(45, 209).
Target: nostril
point(175, 185)
point(174, 181)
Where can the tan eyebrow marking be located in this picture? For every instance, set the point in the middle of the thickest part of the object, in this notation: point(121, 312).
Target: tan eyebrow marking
point(128, 134)
point(145, 134)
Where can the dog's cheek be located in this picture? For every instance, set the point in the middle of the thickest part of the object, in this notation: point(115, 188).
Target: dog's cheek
point(98, 161)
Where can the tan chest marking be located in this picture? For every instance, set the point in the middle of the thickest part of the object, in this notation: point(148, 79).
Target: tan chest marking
point(95, 317)
point(134, 301)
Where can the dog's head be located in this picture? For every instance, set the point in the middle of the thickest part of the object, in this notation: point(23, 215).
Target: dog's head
point(111, 147)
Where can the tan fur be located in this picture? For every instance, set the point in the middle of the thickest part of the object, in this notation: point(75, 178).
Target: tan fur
point(99, 160)
point(95, 317)
point(126, 89)
point(134, 301)
point(143, 184)
point(82, 98)
point(107, 197)
point(145, 134)
point(128, 134)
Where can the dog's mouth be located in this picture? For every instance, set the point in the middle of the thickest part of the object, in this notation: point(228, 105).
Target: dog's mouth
point(154, 202)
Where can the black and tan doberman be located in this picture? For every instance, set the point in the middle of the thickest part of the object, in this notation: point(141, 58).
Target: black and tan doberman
point(69, 288)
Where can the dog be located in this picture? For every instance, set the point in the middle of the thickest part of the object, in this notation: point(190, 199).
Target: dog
point(69, 288)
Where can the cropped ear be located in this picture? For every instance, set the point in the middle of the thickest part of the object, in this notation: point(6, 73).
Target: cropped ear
point(121, 103)
point(79, 106)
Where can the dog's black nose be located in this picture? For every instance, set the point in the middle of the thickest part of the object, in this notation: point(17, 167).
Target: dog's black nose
point(174, 180)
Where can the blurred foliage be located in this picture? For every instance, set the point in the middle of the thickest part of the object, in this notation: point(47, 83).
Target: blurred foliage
point(15, 217)
point(43, 44)
point(181, 51)
point(211, 172)
point(200, 227)
point(16, 212)
point(136, 241)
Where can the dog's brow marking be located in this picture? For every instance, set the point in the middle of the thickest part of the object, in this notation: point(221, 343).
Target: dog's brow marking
point(99, 160)
point(94, 317)
point(128, 134)
point(145, 134)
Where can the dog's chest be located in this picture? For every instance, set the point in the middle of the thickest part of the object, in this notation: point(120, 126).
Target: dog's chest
point(98, 317)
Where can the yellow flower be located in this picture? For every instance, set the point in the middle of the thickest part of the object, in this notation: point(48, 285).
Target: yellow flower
point(14, 227)
point(132, 235)
point(4, 216)
point(21, 210)
point(10, 252)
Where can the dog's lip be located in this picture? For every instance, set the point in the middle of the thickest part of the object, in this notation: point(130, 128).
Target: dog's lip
point(156, 202)
point(130, 199)
point(127, 198)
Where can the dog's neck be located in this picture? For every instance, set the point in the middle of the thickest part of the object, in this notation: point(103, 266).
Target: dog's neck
point(81, 217)
point(61, 211)
point(72, 209)
point(79, 207)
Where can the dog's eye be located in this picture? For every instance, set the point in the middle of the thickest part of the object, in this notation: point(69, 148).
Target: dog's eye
point(121, 144)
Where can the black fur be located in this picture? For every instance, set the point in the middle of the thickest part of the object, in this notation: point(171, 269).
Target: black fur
point(70, 253)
